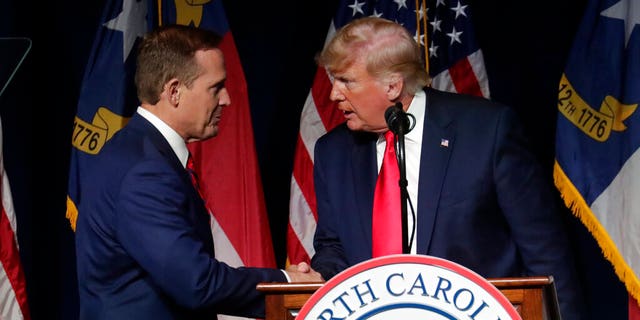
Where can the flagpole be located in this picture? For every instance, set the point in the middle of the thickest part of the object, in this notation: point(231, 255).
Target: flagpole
point(159, 12)
point(422, 5)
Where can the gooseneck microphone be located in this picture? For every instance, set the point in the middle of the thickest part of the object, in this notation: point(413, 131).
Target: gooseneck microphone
point(400, 123)
point(398, 120)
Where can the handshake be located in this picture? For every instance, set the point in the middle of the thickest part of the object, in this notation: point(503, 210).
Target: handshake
point(302, 272)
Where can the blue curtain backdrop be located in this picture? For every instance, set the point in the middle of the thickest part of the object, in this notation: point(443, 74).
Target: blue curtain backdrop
point(525, 52)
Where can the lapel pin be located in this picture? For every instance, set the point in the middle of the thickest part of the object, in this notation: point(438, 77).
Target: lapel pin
point(444, 143)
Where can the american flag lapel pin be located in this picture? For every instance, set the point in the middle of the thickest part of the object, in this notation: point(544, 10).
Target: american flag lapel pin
point(444, 143)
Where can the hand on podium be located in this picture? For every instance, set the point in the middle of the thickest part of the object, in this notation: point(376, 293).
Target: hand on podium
point(302, 272)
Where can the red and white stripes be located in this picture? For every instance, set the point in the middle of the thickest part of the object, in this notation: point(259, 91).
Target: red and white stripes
point(13, 293)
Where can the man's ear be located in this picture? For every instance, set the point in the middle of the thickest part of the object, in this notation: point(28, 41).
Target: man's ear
point(395, 84)
point(172, 91)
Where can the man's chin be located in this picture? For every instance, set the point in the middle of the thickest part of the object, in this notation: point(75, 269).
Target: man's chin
point(211, 132)
point(208, 134)
point(353, 126)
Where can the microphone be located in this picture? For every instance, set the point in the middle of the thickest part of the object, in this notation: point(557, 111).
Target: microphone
point(398, 120)
point(399, 123)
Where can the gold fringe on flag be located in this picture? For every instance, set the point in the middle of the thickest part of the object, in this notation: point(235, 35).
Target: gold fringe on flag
point(579, 207)
point(72, 213)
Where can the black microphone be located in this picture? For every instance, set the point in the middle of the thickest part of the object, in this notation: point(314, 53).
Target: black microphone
point(398, 120)
point(399, 123)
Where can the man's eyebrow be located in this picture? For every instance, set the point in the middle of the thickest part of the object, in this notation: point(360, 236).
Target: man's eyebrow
point(219, 84)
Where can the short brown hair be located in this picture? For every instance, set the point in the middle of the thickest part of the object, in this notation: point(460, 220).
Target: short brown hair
point(168, 52)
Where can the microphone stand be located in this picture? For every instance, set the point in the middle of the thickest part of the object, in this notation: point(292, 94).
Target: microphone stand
point(399, 123)
point(402, 183)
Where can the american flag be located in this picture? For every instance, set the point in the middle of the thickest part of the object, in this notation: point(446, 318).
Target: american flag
point(455, 63)
point(13, 304)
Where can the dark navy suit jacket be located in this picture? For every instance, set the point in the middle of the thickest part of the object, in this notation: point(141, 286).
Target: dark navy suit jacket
point(483, 200)
point(143, 239)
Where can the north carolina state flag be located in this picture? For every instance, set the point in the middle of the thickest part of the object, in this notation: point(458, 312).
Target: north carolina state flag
point(227, 165)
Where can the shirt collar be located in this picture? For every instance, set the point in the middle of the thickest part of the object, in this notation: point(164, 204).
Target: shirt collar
point(176, 142)
point(417, 109)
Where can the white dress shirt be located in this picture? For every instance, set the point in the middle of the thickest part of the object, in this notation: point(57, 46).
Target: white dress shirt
point(412, 148)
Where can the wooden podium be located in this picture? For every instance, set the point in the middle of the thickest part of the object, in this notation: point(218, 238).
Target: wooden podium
point(533, 297)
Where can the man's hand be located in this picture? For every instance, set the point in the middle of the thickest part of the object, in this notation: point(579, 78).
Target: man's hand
point(302, 272)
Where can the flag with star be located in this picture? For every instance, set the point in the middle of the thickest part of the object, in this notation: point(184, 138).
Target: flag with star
point(443, 28)
point(107, 100)
point(107, 94)
point(598, 135)
point(229, 176)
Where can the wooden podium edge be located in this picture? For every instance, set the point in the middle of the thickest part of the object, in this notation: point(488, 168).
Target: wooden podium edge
point(533, 297)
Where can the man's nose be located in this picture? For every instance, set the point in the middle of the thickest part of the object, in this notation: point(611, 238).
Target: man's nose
point(336, 93)
point(225, 99)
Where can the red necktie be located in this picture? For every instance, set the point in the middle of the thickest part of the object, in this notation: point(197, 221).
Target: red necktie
point(387, 225)
point(192, 173)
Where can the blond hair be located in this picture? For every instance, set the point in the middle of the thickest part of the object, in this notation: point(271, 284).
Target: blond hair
point(386, 48)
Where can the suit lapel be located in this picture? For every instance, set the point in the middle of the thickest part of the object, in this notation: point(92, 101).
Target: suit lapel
point(199, 213)
point(437, 145)
point(365, 173)
point(158, 141)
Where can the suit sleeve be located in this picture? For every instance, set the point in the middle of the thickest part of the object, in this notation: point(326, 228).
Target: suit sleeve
point(527, 198)
point(159, 224)
point(329, 258)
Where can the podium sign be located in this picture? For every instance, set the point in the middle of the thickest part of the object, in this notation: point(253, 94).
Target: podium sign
point(408, 287)
point(412, 287)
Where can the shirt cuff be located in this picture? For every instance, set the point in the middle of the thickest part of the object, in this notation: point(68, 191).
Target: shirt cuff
point(286, 275)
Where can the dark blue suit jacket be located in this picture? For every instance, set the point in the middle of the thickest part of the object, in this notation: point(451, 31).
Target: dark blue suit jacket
point(143, 239)
point(483, 200)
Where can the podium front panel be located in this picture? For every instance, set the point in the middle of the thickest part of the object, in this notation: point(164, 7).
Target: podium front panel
point(533, 297)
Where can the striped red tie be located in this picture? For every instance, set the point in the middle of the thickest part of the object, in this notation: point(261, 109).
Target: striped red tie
point(387, 225)
point(194, 177)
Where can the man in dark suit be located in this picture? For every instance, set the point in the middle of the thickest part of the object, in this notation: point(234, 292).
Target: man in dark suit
point(479, 196)
point(143, 239)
